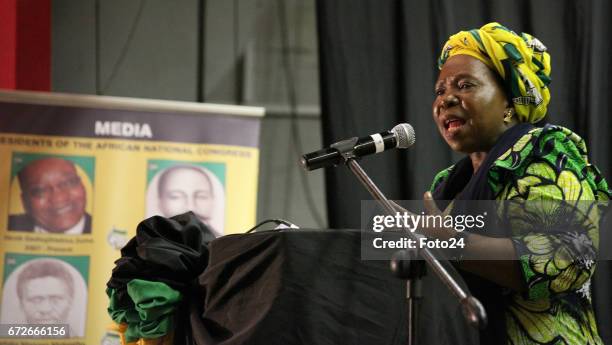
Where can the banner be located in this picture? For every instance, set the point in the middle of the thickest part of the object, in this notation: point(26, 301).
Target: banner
point(78, 173)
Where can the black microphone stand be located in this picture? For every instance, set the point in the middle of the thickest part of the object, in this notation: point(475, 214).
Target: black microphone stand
point(403, 263)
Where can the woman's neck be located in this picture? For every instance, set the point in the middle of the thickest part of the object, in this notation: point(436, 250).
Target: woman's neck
point(477, 158)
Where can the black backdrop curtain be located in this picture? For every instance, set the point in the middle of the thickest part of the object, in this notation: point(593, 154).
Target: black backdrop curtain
point(378, 67)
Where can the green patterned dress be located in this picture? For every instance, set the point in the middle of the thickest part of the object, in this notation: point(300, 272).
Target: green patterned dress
point(549, 163)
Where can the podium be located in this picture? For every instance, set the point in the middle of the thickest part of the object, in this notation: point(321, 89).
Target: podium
point(312, 287)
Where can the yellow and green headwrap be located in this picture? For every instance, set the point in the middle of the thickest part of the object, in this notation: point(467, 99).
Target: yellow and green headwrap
point(521, 61)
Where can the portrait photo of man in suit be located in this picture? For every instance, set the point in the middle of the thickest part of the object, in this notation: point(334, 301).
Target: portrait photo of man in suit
point(45, 291)
point(53, 197)
point(183, 187)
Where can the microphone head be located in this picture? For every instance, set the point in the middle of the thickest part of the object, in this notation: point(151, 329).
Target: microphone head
point(404, 134)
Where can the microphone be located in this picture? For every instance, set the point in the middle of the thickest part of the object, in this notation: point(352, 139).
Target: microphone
point(401, 137)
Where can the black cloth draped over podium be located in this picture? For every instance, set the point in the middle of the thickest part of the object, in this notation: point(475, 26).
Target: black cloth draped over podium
point(283, 287)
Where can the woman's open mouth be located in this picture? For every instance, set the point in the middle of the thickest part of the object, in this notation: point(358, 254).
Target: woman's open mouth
point(453, 125)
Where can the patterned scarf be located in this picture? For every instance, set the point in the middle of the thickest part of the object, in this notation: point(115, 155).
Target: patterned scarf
point(521, 61)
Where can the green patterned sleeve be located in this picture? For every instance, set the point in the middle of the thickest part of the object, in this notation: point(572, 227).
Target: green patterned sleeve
point(440, 177)
point(554, 220)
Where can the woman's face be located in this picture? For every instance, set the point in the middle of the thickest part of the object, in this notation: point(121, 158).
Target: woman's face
point(469, 105)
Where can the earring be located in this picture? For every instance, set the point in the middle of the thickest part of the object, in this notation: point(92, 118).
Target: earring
point(508, 113)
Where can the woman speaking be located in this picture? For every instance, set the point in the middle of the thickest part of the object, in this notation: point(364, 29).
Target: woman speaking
point(491, 103)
